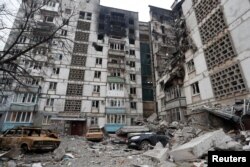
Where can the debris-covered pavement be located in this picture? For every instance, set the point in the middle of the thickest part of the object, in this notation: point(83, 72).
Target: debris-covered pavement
point(188, 146)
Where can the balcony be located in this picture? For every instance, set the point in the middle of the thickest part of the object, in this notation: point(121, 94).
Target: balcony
point(115, 110)
point(113, 65)
point(115, 79)
point(113, 127)
point(176, 103)
point(31, 107)
point(117, 52)
point(31, 89)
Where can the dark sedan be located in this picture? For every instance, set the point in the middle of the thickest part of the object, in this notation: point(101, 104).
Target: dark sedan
point(144, 140)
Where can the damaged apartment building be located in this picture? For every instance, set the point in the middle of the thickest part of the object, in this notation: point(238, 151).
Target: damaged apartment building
point(96, 82)
point(200, 51)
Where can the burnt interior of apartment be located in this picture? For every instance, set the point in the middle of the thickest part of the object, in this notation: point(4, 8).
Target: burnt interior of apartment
point(114, 24)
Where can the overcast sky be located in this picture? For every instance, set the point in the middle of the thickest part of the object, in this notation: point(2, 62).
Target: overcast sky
point(140, 6)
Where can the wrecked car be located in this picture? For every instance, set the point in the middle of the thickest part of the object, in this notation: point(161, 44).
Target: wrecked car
point(95, 134)
point(29, 138)
point(143, 141)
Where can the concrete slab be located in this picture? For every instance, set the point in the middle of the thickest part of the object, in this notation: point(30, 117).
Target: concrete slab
point(198, 146)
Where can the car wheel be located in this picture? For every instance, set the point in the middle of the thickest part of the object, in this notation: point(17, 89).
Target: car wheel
point(144, 145)
point(24, 148)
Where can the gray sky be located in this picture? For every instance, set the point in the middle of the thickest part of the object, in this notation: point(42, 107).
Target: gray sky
point(140, 6)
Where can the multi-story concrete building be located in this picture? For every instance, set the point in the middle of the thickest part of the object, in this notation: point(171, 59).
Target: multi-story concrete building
point(217, 72)
point(169, 44)
point(201, 58)
point(94, 79)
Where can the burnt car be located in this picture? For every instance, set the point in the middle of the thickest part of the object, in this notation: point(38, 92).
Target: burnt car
point(29, 138)
point(94, 134)
point(143, 141)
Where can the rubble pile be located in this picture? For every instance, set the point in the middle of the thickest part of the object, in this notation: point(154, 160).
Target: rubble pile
point(188, 145)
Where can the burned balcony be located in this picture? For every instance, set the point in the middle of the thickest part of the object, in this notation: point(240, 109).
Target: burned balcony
point(174, 97)
point(116, 47)
point(116, 65)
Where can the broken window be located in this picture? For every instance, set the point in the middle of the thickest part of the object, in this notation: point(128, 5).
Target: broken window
point(48, 19)
point(132, 77)
point(98, 61)
point(50, 102)
point(116, 119)
point(74, 90)
point(131, 21)
point(3, 99)
point(133, 105)
point(115, 86)
point(131, 41)
point(93, 121)
point(19, 117)
point(97, 74)
point(190, 66)
point(65, 21)
point(133, 91)
point(81, 15)
point(132, 64)
point(89, 15)
point(46, 120)
point(76, 75)
point(52, 85)
point(26, 98)
point(131, 31)
point(68, 11)
point(96, 89)
point(195, 88)
point(64, 32)
point(100, 37)
point(95, 104)
point(56, 71)
point(73, 105)
point(131, 52)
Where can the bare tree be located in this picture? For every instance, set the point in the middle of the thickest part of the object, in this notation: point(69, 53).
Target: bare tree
point(33, 36)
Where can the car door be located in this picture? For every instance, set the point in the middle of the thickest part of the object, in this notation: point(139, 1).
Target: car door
point(8, 138)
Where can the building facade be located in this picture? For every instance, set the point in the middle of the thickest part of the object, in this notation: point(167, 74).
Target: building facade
point(95, 79)
point(217, 71)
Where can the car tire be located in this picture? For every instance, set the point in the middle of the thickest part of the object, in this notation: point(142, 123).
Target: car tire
point(144, 145)
point(24, 148)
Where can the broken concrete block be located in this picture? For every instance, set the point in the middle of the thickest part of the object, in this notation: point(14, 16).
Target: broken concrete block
point(11, 163)
point(37, 165)
point(158, 146)
point(157, 154)
point(246, 147)
point(59, 153)
point(174, 124)
point(152, 117)
point(198, 146)
point(167, 164)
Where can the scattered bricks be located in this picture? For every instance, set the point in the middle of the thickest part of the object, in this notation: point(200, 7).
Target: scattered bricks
point(204, 8)
point(228, 81)
point(212, 27)
point(219, 52)
point(198, 146)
